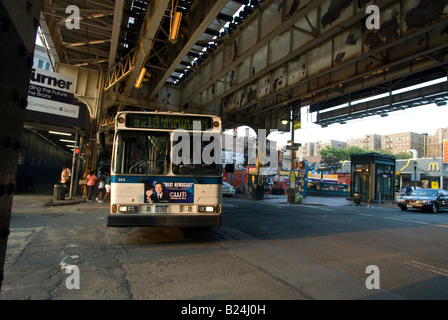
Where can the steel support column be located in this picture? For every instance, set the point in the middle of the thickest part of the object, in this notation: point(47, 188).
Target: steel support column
point(19, 24)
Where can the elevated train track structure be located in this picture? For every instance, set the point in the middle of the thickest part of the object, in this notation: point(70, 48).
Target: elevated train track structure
point(250, 61)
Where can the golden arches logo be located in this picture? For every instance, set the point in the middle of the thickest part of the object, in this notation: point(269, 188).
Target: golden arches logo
point(433, 167)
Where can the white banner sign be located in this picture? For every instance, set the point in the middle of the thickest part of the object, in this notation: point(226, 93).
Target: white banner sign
point(52, 93)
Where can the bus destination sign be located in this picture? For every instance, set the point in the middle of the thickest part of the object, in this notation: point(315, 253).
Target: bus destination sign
point(164, 121)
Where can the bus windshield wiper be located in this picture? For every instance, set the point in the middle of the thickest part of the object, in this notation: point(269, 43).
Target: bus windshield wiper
point(192, 172)
point(158, 161)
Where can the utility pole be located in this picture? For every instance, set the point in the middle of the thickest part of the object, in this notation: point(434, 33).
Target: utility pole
point(292, 174)
point(415, 175)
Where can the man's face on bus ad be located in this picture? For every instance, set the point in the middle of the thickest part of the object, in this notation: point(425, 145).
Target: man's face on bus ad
point(159, 188)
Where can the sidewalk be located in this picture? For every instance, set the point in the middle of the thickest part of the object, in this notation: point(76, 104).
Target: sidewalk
point(321, 201)
point(312, 200)
point(44, 196)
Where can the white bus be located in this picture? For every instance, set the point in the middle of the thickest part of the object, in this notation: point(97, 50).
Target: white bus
point(149, 186)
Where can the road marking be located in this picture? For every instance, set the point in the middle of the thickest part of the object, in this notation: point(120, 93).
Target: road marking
point(230, 205)
point(405, 220)
point(424, 266)
point(317, 207)
point(300, 206)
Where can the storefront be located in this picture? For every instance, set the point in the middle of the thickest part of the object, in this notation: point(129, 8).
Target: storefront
point(428, 173)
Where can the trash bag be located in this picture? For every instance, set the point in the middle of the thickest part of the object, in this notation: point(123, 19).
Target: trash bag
point(298, 198)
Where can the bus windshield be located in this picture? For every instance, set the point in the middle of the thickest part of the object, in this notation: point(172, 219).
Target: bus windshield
point(148, 153)
point(142, 152)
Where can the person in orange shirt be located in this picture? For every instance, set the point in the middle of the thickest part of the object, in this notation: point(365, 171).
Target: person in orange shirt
point(65, 174)
point(65, 177)
point(91, 183)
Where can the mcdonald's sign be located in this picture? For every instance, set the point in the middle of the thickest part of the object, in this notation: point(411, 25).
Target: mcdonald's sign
point(433, 166)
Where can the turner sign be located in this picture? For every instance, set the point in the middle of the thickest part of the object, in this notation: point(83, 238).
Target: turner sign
point(52, 93)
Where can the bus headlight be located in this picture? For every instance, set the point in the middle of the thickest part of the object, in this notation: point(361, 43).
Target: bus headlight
point(206, 209)
point(127, 209)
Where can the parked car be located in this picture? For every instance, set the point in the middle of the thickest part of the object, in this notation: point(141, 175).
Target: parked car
point(425, 199)
point(227, 189)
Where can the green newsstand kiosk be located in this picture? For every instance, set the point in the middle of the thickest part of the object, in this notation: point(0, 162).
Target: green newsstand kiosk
point(372, 178)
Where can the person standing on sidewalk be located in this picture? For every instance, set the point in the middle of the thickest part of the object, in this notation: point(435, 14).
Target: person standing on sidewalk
point(101, 189)
point(83, 184)
point(91, 183)
point(65, 177)
point(107, 187)
point(65, 174)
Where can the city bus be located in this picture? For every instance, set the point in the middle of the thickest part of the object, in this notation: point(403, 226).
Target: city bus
point(161, 173)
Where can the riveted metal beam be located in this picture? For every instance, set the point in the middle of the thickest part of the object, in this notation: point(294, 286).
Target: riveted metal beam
point(116, 26)
point(130, 65)
point(319, 52)
point(214, 9)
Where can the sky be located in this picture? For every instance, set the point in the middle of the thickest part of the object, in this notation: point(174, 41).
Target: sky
point(424, 119)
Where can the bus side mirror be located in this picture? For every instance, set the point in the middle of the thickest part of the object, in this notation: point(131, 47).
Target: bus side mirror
point(229, 168)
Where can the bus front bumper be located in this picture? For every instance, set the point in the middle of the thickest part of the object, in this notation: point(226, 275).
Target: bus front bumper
point(136, 220)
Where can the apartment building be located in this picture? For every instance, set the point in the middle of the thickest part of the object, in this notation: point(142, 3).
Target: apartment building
point(405, 141)
point(306, 150)
point(318, 146)
point(434, 143)
point(40, 59)
point(427, 146)
point(368, 142)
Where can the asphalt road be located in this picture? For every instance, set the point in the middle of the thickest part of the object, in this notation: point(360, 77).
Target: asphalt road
point(265, 250)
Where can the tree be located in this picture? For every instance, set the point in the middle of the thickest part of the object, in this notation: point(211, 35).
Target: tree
point(341, 154)
point(403, 155)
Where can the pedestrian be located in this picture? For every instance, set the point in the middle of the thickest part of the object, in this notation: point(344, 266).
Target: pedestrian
point(408, 190)
point(403, 191)
point(65, 174)
point(107, 187)
point(91, 183)
point(101, 189)
point(83, 184)
point(65, 177)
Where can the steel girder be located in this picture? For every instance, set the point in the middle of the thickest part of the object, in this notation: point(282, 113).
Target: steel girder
point(130, 65)
point(320, 51)
point(437, 93)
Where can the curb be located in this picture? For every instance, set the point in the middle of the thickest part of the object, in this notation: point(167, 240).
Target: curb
point(53, 203)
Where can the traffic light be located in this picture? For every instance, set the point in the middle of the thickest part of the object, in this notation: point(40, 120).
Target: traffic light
point(302, 165)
